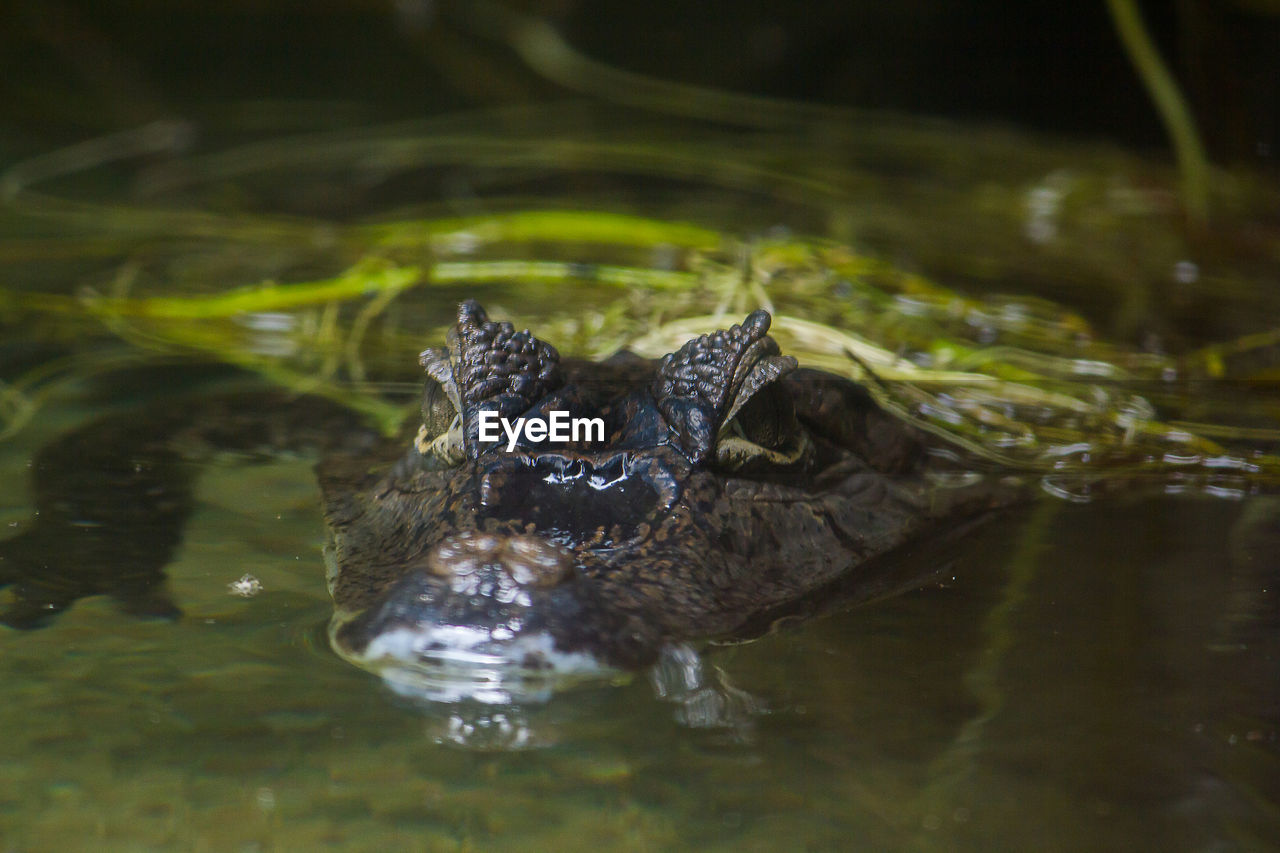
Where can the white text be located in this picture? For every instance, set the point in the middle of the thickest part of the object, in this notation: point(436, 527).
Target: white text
point(557, 426)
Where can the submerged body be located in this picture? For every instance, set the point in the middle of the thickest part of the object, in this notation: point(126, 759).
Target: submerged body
point(723, 485)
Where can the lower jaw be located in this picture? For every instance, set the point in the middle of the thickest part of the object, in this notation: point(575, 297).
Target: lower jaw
point(475, 684)
point(469, 672)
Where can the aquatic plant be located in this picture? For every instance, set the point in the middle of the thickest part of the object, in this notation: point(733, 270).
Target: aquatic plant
point(328, 305)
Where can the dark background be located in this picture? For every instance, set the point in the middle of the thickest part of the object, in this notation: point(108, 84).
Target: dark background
point(74, 68)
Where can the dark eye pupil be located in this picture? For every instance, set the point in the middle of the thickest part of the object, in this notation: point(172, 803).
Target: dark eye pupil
point(437, 410)
point(767, 419)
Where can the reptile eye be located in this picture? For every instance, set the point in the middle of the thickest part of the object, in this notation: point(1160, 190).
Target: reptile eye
point(440, 436)
point(763, 431)
point(438, 411)
point(768, 419)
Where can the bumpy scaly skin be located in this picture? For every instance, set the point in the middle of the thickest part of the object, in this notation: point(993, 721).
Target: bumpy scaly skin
point(697, 383)
point(640, 541)
point(552, 556)
point(496, 368)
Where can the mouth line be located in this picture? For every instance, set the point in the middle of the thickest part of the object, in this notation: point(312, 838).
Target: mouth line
point(454, 683)
point(452, 663)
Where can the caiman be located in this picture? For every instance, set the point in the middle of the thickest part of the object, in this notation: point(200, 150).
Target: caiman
point(727, 485)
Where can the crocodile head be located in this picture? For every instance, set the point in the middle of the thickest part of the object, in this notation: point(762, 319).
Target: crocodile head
point(625, 506)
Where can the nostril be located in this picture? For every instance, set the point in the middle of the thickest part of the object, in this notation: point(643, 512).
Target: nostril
point(463, 554)
point(526, 561)
point(535, 562)
point(448, 565)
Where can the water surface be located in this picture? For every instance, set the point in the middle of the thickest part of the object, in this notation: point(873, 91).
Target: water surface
point(1095, 676)
point(1100, 677)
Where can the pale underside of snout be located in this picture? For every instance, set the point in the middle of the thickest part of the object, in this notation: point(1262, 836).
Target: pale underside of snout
point(468, 627)
point(457, 663)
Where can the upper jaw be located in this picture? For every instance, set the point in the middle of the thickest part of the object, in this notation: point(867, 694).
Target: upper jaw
point(457, 663)
point(503, 623)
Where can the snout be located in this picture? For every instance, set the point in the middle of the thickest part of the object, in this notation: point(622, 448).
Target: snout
point(486, 617)
point(506, 568)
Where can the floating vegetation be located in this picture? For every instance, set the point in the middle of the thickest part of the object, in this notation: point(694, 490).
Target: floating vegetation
point(1020, 382)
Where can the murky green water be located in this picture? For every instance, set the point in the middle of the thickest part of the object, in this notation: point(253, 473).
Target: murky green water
point(1083, 677)
point(1080, 676)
